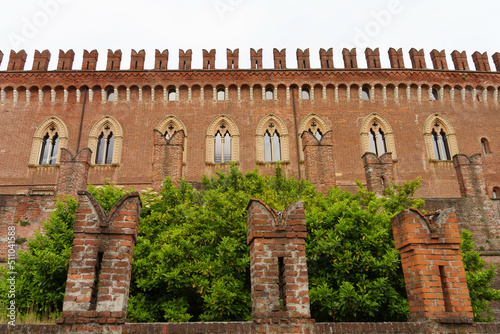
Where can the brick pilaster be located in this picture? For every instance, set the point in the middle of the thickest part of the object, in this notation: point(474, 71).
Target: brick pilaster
point(278, 268)
point(470, 175)
point(318, 160)
point(97, 288)
point(379, 172)
point(73, 172)
point(432, 264)
point(167, 158)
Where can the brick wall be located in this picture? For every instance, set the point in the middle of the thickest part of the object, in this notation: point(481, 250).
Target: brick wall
point(319, 160)
point(432, 265)
point(379, 172)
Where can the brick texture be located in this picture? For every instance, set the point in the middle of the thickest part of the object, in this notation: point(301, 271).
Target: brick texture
point(318, 160)
point(73, 172)
point(98, 283)
point(432, 265)
point(167, 159)
point(278, 269)
point(379, 172)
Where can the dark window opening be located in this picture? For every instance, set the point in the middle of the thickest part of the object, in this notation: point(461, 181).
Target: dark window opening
point(282, 283)
point(159, 65)
point(434, 94)
point(496, 192)
point(304, 63)
point(440, 145)
point(232, 64)
point(110, 95)
point(446, 293)
point(280, 64)
point(88, 65)
point(136, 64)
point(112, 65)
point(49, 149)
point(184, 64)
point(352, 64)
point(327, 63)
point(13, 66)
point(222, 147)
point(105, 148)
point(97, 278)
point(62, 67)
point(365, 93)
point(485, 145)
point(172, 95)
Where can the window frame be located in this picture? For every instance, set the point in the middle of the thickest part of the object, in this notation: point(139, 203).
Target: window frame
point(106, 126)
point(277, 126)
point(438, 123)
point(228, 125)
point(45, 127)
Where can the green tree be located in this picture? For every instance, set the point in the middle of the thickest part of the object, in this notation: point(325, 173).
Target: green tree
point(479, 279)
point(42, 269)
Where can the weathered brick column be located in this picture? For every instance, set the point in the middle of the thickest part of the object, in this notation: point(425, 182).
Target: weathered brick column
point(318, 160)
point(97, 287)
point(167, 158)
point(73, 172)
point(379, 172)
point(470, 175)
point(432, 264)
point(278, 269)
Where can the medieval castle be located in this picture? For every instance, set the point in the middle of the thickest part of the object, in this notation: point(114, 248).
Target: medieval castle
point(63, 129)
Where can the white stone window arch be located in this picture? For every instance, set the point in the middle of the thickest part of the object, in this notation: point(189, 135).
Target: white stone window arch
point(377, 136)
point(272, 129)
point(169, 126)
point(55, 133)
point(315, 124)
point(101, 134)
point(227, 144)
point(440, 138)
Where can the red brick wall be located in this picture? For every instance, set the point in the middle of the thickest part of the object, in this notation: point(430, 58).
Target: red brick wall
point(472, 120)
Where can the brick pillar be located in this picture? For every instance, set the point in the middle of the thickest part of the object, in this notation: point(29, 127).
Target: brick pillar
point(232, 59)
point(185, 59)
point(167, 158)
point(279, 58)
point(97, 288)
point(372, 58)
point(496, 60)
point(481, 61)
point(73, 172)
point(209, 59)
point(470, 175)
point(303, 59)
point(417, 58)
point(41, 60)
point(318, 160)
point(326, 58)
point(460, 60)
point(432, 264)
point(17, 60)
point(65, 62)
point(396, 58)
point(89, 62)
point(278, 269)
point(161, 59)
point(137, 60)
point(439, 60)
point(379, 172)
point(114, 60)
point(256, 59)
point(349, 57)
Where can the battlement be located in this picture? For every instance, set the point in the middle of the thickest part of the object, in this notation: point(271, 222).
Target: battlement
point(17, 60)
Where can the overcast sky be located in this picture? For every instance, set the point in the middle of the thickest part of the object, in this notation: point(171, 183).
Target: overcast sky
point(244, 24)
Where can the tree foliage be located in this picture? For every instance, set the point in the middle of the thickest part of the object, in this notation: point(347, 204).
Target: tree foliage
point(479, 279)
point(191, 260)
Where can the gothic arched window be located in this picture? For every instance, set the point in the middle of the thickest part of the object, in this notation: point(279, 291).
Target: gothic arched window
point(377, 136)
point(50, 148)
point(222, 146)
point(105, 147)
point(440, 138)
point(272, 140)
point(222, 141)
point(105, 141)
point(49, 138)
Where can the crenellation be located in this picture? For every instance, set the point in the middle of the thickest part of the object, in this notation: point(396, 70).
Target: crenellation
point(481, 61)
point(349, 57)
point(17, 60)
point(439, 60)
point(114, 60)
point(256, 59)
point(279, 58)
point(89, 62)
point(41, 60)
point(496, 60)
point(417, 58)
point(460, 60)
point(232, 59)
point(137, 60)
point(161, 59)
point(326, 58)
point(396, 58)
point(209, 59)
point(303, 59)
point(185, 58)
point(372, 58)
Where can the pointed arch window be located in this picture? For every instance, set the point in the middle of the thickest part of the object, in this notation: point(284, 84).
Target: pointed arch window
point(222, 141)
point(49, 148)
point(272, 144)
point(105, 141)
point(222, 146)
point(377, 136)
point(105, 147)
point(440, 143)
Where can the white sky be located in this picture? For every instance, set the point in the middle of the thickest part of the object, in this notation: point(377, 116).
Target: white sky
point(244, 24)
